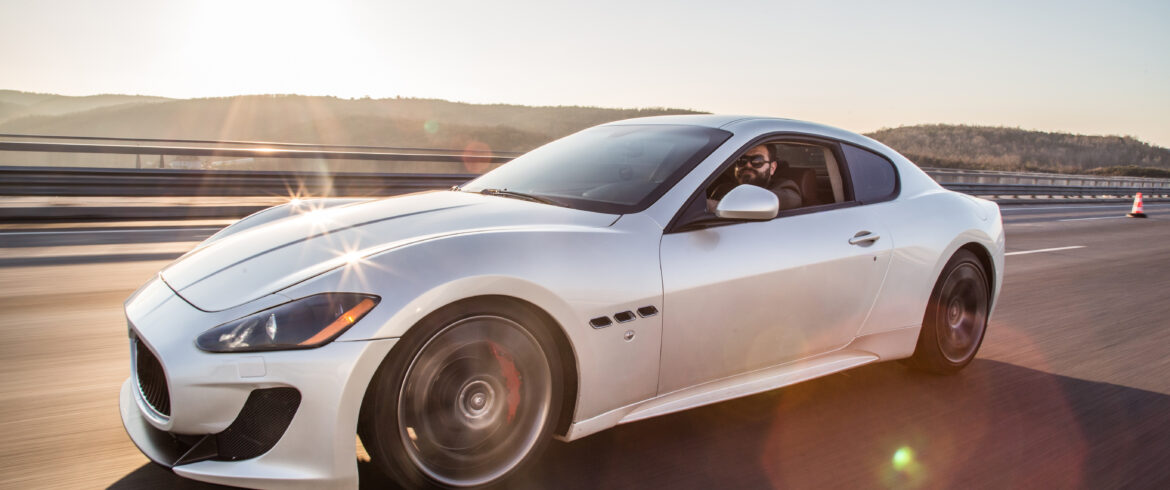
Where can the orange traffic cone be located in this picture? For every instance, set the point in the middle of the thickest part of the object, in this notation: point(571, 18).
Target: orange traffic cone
point(1137, 211)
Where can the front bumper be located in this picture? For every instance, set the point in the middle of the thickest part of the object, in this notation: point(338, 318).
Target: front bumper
point(209, 394)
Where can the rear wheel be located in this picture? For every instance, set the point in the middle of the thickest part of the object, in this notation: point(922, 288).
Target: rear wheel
point(465, 399)
point(956, 317)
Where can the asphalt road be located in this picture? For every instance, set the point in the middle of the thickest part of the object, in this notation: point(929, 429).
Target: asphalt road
point(1071, 387)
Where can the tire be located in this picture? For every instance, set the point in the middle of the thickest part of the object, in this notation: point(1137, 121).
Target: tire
point(956, 317)
point(465, 399)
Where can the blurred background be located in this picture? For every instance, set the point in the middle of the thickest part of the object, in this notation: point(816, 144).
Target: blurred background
point(131, 130)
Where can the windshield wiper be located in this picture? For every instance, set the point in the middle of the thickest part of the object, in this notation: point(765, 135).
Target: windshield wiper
point(520, 195)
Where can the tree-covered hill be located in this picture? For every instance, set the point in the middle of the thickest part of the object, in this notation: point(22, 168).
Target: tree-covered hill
point(433, 123)
point(14, 104)
point(331, 120)
point(996, 148)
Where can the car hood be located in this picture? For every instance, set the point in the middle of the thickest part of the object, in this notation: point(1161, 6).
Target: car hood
point(262, 260)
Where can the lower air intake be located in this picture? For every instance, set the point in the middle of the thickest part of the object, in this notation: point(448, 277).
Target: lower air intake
point(262, 421)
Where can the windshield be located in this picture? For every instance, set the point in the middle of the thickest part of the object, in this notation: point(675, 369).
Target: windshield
point(608, 169)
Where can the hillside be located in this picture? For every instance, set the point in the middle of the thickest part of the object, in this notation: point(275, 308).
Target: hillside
point(433, 123)
point(995, 148)
point(14, 104)
point(331, 120)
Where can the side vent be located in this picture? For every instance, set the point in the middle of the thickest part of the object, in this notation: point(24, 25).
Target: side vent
point(601, 322)
point(647, 311)
point(625, 316)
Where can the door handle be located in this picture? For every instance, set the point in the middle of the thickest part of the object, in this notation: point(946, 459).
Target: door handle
point(864, 238)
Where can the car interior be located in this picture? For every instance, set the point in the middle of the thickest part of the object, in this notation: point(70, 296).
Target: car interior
point(813, 168)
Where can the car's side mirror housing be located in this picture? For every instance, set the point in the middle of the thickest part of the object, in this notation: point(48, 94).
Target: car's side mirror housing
point(748, 202)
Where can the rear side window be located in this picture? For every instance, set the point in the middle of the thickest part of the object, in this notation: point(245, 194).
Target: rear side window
point(874, 178)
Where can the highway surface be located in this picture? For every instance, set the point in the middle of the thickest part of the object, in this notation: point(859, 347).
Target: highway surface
point(1071, 387)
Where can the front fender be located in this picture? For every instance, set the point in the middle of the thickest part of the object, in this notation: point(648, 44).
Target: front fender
point(572, 273)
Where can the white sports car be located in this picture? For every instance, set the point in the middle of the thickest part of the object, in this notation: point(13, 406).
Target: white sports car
point(626, 271)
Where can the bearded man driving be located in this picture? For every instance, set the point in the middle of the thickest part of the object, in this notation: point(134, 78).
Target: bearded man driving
point(758, 168)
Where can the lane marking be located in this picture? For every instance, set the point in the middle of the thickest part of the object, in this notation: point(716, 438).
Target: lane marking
point(66, 232)
point(1044, 250)
point(1083, 219)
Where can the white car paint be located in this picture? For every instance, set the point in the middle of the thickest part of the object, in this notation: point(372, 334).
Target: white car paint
point(726, 328)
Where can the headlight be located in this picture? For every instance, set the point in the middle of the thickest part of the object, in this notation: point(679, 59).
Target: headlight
point(300, 324)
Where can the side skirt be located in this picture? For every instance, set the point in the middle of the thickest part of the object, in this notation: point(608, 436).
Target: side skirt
point(894, 344)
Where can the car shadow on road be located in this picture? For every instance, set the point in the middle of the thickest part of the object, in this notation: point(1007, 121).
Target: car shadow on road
point(994, 425)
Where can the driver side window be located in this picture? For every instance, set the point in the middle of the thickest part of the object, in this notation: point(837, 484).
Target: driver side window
point(801, 174)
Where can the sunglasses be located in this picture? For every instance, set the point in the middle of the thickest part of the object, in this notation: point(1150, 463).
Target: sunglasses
point(755, 161)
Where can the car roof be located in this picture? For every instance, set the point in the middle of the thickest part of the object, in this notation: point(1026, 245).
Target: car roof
point(735, 123)
point(705, 120)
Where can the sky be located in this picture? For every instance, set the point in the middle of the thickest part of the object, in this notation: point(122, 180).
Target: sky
point(1070, 66)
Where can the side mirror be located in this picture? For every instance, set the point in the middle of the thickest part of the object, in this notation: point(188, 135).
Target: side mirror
point(748, 202)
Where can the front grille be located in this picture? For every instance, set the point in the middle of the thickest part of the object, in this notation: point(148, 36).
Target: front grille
point(259, 425)
point(152, 382)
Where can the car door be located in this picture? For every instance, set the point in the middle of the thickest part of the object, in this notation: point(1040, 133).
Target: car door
point(749, 295)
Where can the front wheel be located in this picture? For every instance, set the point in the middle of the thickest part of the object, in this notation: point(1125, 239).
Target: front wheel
point(956, 317)
point(471, 394)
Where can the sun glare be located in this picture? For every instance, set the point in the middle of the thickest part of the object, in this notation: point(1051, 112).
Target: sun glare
point(903, 458)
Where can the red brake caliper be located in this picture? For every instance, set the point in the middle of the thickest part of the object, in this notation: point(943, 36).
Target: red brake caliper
point(511, 378)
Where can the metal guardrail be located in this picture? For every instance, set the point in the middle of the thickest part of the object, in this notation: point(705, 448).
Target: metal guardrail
point(957, 176)
point(88, 181)
point(243, 152)
point(56, 181)
point(999, 184)
point(254, 144)
point(1050, 191)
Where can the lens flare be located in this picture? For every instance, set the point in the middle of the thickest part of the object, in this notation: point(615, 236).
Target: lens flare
point(297, 195)
point(903, 458)
point(477, 157)
point(904, 471)
point(319, 220)
point(431, 126)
